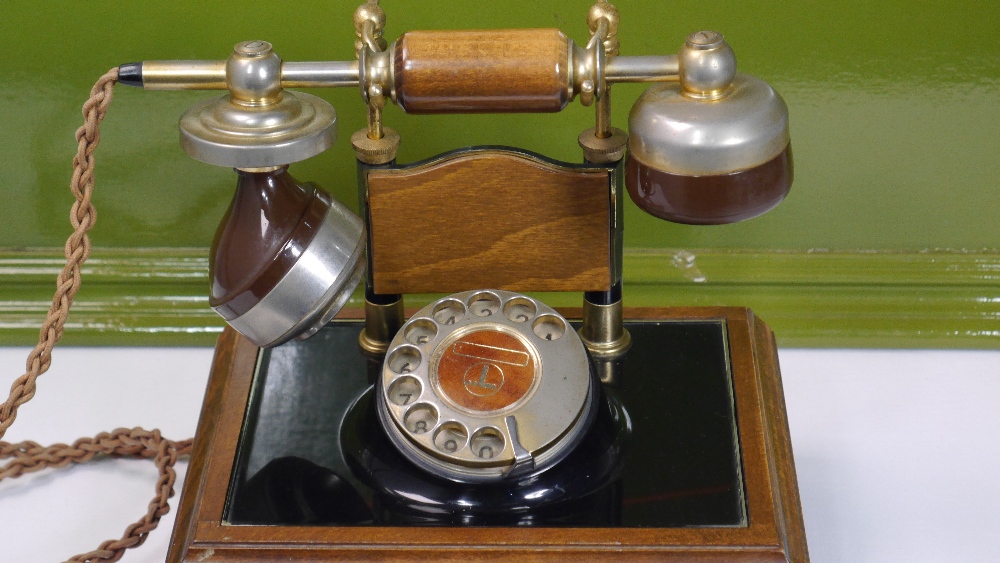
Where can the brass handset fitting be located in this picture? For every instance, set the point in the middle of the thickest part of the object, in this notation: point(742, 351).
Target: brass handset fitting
point(211, 75)
point(369, 23)
point(429, 72)
point(374, 68)
point(590, 69)
point(253, 74)
point(258, 124)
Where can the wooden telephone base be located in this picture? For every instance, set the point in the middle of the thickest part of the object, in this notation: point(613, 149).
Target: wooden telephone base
point(264, 403)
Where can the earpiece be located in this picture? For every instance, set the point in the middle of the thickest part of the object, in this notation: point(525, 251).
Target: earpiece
point(711, 148)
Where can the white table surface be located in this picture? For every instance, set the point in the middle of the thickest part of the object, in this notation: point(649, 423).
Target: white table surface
point(897, 452)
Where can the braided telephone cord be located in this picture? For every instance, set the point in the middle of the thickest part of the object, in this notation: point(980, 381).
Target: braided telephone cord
point(138, 443)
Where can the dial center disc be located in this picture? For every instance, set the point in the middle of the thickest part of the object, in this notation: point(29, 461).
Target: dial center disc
point(486, 370)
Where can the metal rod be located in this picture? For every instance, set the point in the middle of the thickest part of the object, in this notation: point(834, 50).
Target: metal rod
point(319, 74)
point(211, 75)
point(184, 75)
point(642, 69)
point(602, 128)
point(375, 122)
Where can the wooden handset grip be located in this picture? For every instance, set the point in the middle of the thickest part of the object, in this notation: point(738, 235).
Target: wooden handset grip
point(512, 70)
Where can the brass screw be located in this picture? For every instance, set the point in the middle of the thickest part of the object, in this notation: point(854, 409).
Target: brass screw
point(704, 38)
point(253, 48)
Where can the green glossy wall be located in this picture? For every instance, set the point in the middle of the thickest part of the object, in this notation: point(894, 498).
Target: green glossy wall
point(889, 237)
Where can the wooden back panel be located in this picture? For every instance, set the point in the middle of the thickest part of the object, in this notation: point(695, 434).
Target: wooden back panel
point(489, 218)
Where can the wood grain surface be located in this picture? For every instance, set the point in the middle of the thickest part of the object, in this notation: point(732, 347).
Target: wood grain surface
point(510, 70)
point(234, 356)
point(779, 442)
point(490, 219)
point(775, 531)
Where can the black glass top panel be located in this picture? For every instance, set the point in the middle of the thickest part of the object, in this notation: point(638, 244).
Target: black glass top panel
point(663, 451)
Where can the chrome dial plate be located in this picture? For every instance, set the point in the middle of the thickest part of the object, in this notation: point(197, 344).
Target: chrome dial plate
point(486, 385)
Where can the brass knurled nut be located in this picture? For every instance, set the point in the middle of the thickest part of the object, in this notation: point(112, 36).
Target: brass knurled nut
point(609, 350)
point(382, 322)
point(376, 151)
point(606, 150)
point(371, 347)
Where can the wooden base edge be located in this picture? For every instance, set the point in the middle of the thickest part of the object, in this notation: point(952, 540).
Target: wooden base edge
point(779, 442)
point(198, 538)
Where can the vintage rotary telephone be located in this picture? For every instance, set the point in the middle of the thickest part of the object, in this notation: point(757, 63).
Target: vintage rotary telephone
point(486, 387)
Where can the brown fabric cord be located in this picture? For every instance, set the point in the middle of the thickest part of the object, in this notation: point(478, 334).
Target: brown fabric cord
point(29, 456)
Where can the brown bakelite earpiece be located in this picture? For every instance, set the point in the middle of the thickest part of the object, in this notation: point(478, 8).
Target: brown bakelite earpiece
point(712, 148)
point(710, 199)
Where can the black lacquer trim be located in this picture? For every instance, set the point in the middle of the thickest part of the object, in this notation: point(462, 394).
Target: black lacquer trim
point(130, 74)
point(380, 298)
point(677, 464)
point(605, 297)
